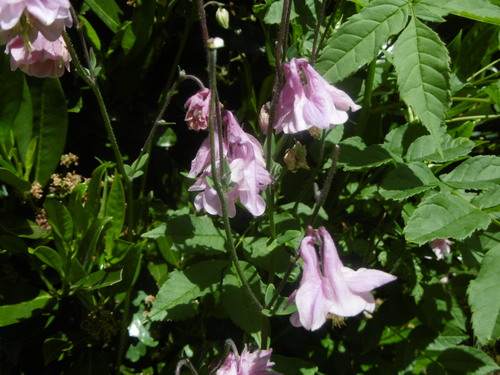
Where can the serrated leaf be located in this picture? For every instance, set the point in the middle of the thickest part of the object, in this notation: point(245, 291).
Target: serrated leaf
point(355, 155)
point(407, 180)
point(479, 10)
point(467, 360)
point(358, 41)
point(479, 172)
point(423, 75)
point(237, 303)
point(191, 233)
point(483, 299)
point(444, 215)
point(424, 149)
point(488, 200)
point(176, 296)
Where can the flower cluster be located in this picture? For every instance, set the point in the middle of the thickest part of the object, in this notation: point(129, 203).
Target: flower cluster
point(308, 101)
point(32, 31)
point(248, 363)
point(328, 289)
point(242, 153)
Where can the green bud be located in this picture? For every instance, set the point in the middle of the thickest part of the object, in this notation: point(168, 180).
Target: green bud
point(222, 17)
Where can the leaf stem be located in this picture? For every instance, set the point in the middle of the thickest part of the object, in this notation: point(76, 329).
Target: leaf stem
point(477, 117)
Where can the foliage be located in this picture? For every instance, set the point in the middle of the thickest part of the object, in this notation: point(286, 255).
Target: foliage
point(106, 266)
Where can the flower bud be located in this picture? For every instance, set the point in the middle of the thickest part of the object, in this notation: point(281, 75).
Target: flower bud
point(222, 17)
point(295, 157)
point(264, 118)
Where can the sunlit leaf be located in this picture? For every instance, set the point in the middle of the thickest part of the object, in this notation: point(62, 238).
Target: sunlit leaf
point(479, 172)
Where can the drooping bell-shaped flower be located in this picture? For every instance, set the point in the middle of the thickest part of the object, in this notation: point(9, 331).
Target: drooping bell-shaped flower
point(42, 58)
point(440, 247)
point(26, 17)
point(198, 110)
point(307, 100)
point(247, 170)
point(327, 287)
point(248, 363)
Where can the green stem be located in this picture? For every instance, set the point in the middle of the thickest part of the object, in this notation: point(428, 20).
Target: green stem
point(474, 100)
point(321, 15)
point(483, 69)
point(478, 117)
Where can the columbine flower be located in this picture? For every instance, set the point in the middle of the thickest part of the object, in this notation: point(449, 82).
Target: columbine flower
point(26, 17)
point(328, 288)
point(198, 109)
point(42, 59)
point(247, 168)
point(441, 247)
point(249, 363)
point(308, 100)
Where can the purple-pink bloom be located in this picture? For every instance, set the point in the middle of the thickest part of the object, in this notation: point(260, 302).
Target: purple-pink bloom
point(26, 17)
point(198, 109)
point(249, 363)
point(327, 287)
point(247, 168)
point(42, 58)
point(441, 247)
point(307, 100)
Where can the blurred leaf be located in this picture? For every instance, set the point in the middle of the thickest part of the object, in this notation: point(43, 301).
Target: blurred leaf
point(238, 304)
point(293, 366)
point(10, 178)
point(51, 124)
point(137, 33)
point(359, 40)
point(177, 295)
point(99, 279)
point(11, 314)
point(59, 219)
point(168, 139)
point(479, 172)
point(444, 215)
point(90, 33)
point(484, 301)
point(479, 10)
point(407, 180)
point(423, 75)
point(50, 257)
point(55, 347)
point(93, 201)
point(488, 200)
point(108, 11)
point(115, 208)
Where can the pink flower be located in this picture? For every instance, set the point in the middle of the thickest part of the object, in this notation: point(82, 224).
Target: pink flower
point(42, 59)
point(247, 168)
point(249, 363)
point(327, 287)
point(26, 17)
point(198, 109)
point(441, 247)
point(308, 100)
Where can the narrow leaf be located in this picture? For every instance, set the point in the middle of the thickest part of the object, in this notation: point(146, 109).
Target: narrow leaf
point(115, 208)
point(358, 41)
point(108, 11)
point(10, 178)
point(479, 10)
point(423, 75)
point(444, 215)
point(49, 256)
point(484, 301)
point(59, 219)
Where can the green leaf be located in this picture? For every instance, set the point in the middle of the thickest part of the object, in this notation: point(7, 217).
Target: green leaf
point(108, 11)
point(59, 219)
point(51, 124)
point(99, 279)
point(293, 366)
point(488, 200)
point(425, 149)
point(93, 202)
point(355, 155)
point(176, 298)
point(467, 360)
point(478, 10)
point(423, 75)
point(10, 178)
point(407, 180)
point(115, 208)
point(484, 301)
point(444, 215)
point(359, 40)
point(238, 304)
point(190, 233)
point(49, 256)
point(479, 172)
point(11, 314)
